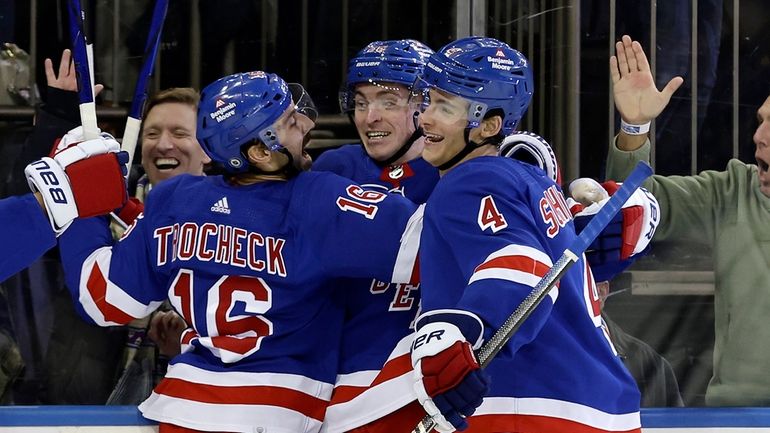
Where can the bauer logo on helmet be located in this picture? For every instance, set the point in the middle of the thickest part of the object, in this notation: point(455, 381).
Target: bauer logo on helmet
point(434, 67)
point(367, 64)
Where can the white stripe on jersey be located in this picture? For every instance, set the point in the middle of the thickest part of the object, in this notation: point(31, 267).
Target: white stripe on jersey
point(222, 417)
point(410, 246)
point(565, 410)
point(237, 415)
point(517, 263)
point(244, 378)
point(374, 402)
point(521, 250)
point(99, 262)
point(358, 378)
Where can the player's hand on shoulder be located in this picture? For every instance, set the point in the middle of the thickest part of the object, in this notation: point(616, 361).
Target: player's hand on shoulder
point(626, 237)
point(81, 178)
point(449, 382)
point(532, 149)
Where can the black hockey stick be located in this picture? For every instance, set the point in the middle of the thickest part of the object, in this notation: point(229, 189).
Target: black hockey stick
point(134, 120)
point(83, 69)
point(570, 256)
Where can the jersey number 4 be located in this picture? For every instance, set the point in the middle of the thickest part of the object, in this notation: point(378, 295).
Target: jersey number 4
point(489, 216)
point(234, 317)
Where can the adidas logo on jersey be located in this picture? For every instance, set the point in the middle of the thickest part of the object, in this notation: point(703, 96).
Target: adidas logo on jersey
point(221, 206)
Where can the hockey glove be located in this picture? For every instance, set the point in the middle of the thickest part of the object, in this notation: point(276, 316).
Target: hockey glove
point(126, 215)
point(82, 179)
point(73, 137)
point(533, 149)
point(626, 237)
point(448, 380)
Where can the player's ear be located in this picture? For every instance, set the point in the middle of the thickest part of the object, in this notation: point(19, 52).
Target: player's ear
point(258, 153)
point(491, 126)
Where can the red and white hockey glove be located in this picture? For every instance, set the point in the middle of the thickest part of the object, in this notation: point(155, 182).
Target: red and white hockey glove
point(533, 149)
point(81, 179)
point(626, 237)
point(448, 380)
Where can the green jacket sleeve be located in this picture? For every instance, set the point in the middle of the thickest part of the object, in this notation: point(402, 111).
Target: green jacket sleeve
point(692, 207)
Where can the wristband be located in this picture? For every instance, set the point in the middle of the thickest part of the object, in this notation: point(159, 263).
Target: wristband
point(634, 129)
point(47, 177)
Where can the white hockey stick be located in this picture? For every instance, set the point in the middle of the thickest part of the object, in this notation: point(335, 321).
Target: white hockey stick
point(83, 70)
point(134, 120)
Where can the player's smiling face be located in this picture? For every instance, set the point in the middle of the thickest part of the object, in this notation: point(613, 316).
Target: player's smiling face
point(169, 147)
point(762, 152)
point(293, 131)
point(443, 123)
point(383, 118)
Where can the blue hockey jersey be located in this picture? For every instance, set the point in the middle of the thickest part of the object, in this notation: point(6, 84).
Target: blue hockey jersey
point(374, 376)
point(247, 267)
point(492, 228)
point(26, 233)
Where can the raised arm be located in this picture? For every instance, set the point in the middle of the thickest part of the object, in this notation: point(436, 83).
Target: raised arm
point(65, 79)
point(636, 97)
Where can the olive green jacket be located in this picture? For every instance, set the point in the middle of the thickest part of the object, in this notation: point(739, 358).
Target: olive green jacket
point(727, 211)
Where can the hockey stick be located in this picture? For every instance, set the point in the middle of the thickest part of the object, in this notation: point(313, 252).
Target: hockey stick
point(83, 70)
point(570, 256)
point(134, 120)
point(139, 327)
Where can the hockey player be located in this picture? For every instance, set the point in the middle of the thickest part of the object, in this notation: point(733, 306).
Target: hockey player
point(245, 258)
point(376, 97)
point(492, 228)
point(63, 189)
point(26, 233)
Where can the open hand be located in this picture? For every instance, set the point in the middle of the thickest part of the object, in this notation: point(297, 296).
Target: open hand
point(66, 79)
point(636, 97)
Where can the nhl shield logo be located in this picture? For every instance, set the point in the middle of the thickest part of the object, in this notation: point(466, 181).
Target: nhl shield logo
point(396, 172)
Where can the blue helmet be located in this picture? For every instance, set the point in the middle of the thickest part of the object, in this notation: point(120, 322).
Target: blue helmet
point(487, 72)
point(237, 109)
point(399, 61)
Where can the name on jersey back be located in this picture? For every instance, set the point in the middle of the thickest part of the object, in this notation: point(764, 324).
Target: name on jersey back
point(220, 243)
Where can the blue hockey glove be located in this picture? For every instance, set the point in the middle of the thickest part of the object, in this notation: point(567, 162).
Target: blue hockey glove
point(626, 237)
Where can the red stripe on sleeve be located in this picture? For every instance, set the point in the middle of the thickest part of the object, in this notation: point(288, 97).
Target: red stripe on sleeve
point(97, 288)
point(517, 263)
